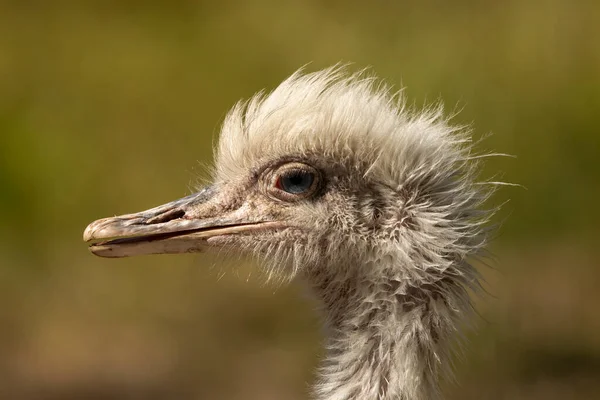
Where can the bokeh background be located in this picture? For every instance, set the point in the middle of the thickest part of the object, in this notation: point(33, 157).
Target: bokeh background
point(112, 106)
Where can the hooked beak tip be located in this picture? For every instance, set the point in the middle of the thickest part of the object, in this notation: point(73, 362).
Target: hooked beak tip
point(88, 233)
point(100, 229)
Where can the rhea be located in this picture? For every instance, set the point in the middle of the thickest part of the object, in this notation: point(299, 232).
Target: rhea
point(331, 179)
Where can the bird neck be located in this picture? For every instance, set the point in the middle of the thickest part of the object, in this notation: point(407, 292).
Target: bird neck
point(387, 333)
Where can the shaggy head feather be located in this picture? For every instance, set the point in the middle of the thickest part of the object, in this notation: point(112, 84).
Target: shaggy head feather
point(385, 244)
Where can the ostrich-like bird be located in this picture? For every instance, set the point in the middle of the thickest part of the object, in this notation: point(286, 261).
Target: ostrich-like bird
point(330, 179)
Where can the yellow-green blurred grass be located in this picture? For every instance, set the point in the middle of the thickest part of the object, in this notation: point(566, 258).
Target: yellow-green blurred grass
point(108, 107)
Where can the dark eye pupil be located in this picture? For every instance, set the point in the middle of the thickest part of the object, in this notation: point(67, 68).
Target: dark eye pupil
point(297, 182)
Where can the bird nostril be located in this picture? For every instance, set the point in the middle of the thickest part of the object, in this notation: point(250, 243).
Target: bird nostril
point(166, 217)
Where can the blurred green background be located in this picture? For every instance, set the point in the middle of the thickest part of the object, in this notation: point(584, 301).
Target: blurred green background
point(109, 107)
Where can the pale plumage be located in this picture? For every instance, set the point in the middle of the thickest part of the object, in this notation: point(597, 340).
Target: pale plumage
point(329, 178)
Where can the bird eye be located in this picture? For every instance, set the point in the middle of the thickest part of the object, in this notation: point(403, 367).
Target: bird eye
point(294, 181)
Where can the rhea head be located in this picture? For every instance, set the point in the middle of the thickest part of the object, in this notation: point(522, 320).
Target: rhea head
point(330, 178)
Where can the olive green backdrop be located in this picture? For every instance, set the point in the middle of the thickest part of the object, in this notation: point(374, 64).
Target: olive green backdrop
point(108, 107)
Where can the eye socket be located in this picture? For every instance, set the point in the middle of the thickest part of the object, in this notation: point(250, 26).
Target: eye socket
point(294, 181)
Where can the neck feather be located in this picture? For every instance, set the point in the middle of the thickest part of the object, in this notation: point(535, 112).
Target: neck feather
point(388, 334)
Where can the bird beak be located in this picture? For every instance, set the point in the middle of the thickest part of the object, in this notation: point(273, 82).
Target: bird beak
point(181, 226)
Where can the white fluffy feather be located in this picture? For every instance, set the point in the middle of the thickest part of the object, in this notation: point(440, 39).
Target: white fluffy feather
point(388, 255)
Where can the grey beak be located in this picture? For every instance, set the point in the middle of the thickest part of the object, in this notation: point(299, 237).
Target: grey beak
point(181, 226)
